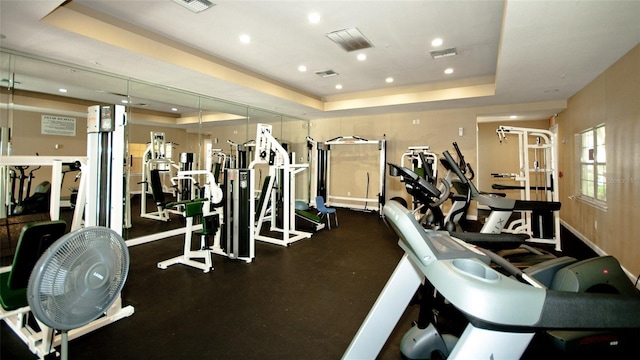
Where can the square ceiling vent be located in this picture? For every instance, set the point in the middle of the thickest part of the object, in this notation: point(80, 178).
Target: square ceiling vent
point(350, 39)
point(437, 54)
point(195, 5)
point(326, 73)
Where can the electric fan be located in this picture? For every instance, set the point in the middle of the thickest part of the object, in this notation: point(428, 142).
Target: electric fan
point(77, 279)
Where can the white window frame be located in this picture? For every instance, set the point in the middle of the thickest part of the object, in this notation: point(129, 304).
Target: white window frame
point(591, 166)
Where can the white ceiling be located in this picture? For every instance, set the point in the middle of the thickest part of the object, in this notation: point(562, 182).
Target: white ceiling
point(523, 56)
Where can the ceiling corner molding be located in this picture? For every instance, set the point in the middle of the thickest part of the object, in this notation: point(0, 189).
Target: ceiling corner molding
point(104, 28)
point(413, 97)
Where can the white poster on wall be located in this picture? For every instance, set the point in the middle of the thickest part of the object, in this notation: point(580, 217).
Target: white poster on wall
point(58, 125)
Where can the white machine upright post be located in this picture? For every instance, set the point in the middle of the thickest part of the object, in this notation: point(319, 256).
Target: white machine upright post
point(265, 145)
point(105, 149)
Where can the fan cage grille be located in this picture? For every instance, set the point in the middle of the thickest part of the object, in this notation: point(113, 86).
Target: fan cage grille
point(78, 278)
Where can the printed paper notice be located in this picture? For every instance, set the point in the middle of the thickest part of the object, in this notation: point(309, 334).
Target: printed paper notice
point(58, 125)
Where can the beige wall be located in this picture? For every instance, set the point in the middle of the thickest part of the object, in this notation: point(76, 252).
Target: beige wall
point(613, 98)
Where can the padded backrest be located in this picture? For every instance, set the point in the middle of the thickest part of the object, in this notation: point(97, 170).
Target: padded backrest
point(156, 186)
point(34, 239)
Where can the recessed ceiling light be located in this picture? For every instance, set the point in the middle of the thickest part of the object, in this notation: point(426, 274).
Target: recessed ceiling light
point(448, 71)
point(174, 109)
point(362, 57)
point(389, 79)
point(124, 101)
point(339, 86)
point(436, 42)
point(513, 117)
point(62, 90)
point(245, 39)
point(314, 18)
point(302, 68)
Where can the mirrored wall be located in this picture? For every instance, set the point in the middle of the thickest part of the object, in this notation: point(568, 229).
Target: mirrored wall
point(34, 89)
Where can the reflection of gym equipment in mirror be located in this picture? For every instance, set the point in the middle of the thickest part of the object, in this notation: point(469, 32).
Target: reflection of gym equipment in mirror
point(275, 207)
point(100, 187)
point(156, 165)
point(321, 180)
point(537, 180)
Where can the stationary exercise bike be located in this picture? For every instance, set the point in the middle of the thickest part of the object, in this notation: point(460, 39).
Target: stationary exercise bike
point(26, 203)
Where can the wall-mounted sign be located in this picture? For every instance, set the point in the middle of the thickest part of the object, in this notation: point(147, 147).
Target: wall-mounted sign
point(58, 125)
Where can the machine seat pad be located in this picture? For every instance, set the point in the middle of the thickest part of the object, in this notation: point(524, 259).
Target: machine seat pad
point(537, 205)
point(491, 241)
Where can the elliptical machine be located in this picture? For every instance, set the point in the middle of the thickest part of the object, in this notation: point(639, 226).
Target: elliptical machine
point(26, 203)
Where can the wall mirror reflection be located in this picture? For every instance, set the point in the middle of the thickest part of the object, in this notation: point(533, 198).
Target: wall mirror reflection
point(43, 108)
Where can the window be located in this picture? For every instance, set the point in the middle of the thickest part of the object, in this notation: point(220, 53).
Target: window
point(593, 165)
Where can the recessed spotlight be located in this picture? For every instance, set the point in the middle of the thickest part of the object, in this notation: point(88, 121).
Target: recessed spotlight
point(389, 80)
point(436, 42)
point(512, 117)
point(339, 86)
point(174, 109)
point(314, 18)
point(62, 90)
point(124, 101)
point(448, 71)
point(302, 68)
point(245, 39)
point(362, 57)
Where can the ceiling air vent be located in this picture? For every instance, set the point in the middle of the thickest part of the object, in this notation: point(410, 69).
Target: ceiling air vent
point(437, 54)
point(326, 73)
point(195, 5)
point(350, 39)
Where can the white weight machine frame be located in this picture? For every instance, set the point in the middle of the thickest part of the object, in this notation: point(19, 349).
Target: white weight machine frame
point(265, 145)
point(545, 190)
point(332, 200)
point(213, 194)
point(154, 157)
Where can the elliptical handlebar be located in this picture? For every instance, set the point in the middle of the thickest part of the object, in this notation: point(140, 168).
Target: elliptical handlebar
point(422, 185)
point(455, 167)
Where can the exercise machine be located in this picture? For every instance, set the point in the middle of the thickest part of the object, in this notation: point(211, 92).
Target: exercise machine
point(269, 151)
point(504, 313)
point(501, 207)
point(321, 180)
point(157, 162)
point(537, 178)
point(238, 232)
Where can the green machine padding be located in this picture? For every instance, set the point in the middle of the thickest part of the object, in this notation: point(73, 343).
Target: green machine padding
point(34, 240)
point(309, 215)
